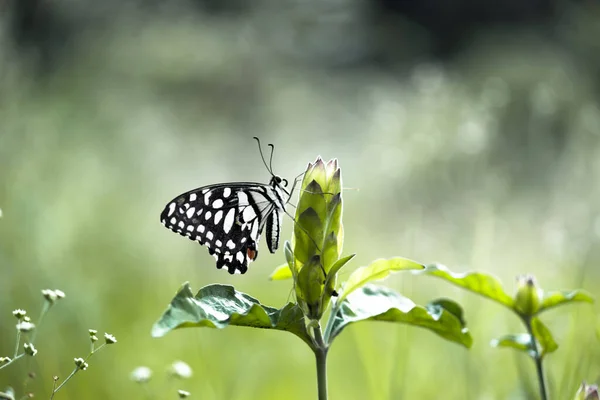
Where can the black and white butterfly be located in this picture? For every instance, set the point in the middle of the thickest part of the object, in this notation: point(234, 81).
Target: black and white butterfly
point(229, 218)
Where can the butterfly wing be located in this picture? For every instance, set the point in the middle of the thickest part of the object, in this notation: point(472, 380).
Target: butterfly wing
point(226, 218)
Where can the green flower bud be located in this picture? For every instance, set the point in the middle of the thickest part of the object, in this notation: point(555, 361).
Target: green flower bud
point(318, 236)
point(528, 295)
point(587, 392)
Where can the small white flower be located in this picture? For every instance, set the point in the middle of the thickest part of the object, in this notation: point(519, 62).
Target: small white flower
point(29, 349)
point(109, 339)
point(183, 394)
point(49, 295)
point(94, 338)
point(5, 360)
point(19, 313)
point(59, 294)
point(180, 369)
point(80, 363)
point(141, 374)
point(92, 332)
point(26, 319)
point(25, 326)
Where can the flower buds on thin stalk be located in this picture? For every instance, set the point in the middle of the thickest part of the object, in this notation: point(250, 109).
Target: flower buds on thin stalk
point(318, 236)
point(528, 296)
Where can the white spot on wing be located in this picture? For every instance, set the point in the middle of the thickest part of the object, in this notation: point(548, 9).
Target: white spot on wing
point(228, 222)
point(190, 228)
point(207, 215)
point(173, 221)
point(193, 197)
point(226, 192)
point(207, 197)
point(240, 257)
point(171, 209)
point(248, 214)
point(218, 216)
point(200, 228)
point(190, 212)
point(217, 203)
point(181, 224)
point(218, 243)
point(209, 235)
point(242, 199)
point(230, 244)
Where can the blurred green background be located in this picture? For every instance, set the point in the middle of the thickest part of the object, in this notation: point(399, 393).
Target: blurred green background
point(471, 131)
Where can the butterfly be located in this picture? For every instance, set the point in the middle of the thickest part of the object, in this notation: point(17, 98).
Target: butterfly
point(229, 218)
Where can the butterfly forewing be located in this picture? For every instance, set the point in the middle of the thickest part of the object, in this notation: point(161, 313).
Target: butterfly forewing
point(226, 218)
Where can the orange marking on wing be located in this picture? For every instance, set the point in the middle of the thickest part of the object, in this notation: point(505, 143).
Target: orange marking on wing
point(251, 254)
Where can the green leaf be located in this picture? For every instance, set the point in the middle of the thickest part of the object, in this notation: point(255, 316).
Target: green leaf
point(377, 270)
point(483, 284)
point(330, 251)
point(520, 341)
point(543, 336)
point(452, 307)
point(378, 303)
point(281, 273)
point(218, 306)
point(557, 298)
point(308, 224)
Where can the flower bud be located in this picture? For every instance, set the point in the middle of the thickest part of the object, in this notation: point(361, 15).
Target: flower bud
point(109, 339)
point(5, 360)
point(528, 295)
point(180, 369)
point(19, 314)
point(318, 236)
point(80, 363)
point(30, 350)
point(25, 326)
point(183, 394)
point(587, 392)
point(141, 374)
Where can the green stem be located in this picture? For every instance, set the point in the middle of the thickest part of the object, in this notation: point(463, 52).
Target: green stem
point(537, 360)
point(64, 382)
point(12, 361)
point(17, 345)
point(321, 357)
point(45, 309)
point(92, 352)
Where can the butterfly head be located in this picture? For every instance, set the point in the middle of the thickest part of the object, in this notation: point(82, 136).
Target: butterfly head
point(278, 181)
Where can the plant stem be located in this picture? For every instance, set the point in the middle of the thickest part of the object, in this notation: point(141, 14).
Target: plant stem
point(12, 361)
point(321, 357)
point(45, 309)
point(64, 382)
point(18, 343)
point(537, 359)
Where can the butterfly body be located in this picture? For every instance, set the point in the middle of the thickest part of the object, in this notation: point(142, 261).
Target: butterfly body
point(229, 219)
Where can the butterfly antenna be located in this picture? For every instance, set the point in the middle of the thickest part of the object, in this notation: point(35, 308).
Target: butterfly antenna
point(261, 155)
point(271, 157)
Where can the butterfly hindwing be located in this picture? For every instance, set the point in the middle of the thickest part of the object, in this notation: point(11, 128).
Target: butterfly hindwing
point(226, 218)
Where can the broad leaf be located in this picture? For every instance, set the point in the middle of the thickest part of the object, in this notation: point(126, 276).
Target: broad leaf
point(520, 341)
point(483, 284)
point(543, 337)
point(335, 268)
point(218, 306)
point(377, 270)
point(281, 273)
point(378, 303)
point(557, 298)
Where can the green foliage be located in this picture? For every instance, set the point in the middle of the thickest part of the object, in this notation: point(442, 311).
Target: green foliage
point(482, 283)
point(558, 298)
point(377, 303)
point(377, 270)
point(218, 306)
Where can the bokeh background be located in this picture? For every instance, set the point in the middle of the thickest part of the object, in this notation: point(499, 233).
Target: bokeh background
point(468, 134)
